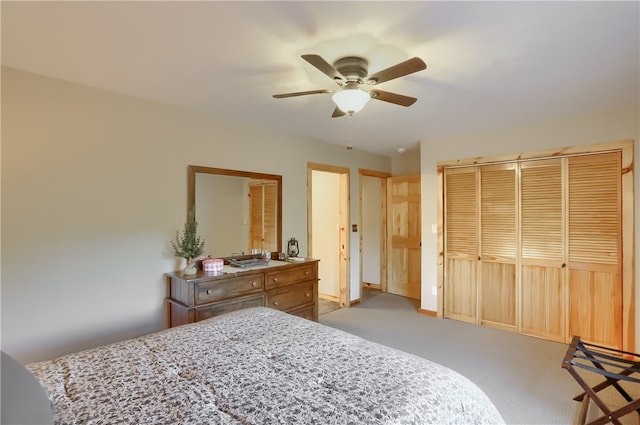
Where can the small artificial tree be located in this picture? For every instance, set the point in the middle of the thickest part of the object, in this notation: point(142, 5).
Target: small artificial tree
point(190, 246)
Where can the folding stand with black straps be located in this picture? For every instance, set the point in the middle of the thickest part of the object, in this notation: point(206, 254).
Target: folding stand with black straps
point(583, 358)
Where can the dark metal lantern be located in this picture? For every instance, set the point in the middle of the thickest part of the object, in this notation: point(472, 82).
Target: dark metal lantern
point(292, 247)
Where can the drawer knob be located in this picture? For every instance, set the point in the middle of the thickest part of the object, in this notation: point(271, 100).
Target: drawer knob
point(275, 303)
point(209, 292)
point(275, 279)
point(254, 283)
point(307, 273)
point(308, 295)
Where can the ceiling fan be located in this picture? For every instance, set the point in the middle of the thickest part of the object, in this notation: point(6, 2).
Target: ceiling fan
point(356, 86)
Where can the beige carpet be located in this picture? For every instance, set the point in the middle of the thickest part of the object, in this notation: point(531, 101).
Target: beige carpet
point(522, 375)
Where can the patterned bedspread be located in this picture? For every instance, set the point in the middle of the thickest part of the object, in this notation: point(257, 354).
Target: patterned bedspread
point(257, 366)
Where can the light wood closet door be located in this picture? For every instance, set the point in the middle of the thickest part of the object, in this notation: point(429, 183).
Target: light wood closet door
point(404, 275)
point(536, 245)
point(498, 245)
point(543, 290)
point(595, 287)
point(461, 244)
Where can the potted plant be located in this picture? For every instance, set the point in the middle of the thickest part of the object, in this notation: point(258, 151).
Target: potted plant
point(189, 246)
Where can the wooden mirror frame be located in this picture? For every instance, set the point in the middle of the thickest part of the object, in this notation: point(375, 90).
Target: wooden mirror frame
point(191, 190)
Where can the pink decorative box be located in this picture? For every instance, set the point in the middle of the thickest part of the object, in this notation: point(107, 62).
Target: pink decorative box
point(212, 265)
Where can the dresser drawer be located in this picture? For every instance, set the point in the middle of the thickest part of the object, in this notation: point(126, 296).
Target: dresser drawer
point(308, 312)
point(291, 297)
point(222, 307)
point(220, 289)
point(276, 278)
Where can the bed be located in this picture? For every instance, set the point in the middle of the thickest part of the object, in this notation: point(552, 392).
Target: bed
point(257, 366)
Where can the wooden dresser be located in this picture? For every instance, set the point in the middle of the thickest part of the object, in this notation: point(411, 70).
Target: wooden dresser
point(285, 286)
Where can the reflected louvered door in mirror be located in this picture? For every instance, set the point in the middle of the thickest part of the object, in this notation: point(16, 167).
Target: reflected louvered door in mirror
point(256, 240)
point(498, 245)
point(595, 287)
point(461, 244)
point(270, 214)
point(263, 206)
point(543, 290)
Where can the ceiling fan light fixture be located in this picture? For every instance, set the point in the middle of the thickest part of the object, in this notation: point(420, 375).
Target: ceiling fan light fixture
point(352, 75)
point(351, 100)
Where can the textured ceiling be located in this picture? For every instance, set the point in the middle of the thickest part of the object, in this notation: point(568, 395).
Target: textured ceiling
point(489, 64)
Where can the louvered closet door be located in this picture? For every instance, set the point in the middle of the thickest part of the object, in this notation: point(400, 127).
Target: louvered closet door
point(595, 287)
point(461, 244)
point(543, 291)
point(498, 243)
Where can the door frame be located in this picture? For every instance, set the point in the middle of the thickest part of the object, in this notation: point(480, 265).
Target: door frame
point(383, 238)
point(344, 248)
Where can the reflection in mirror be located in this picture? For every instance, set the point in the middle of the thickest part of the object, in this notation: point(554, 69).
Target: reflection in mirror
point(236, 211)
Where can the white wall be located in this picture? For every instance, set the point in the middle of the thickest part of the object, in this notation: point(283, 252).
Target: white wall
point(407, 162)
point(94, 185)
point(607, 126)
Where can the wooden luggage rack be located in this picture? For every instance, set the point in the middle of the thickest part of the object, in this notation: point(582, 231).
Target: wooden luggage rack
point(583, 358)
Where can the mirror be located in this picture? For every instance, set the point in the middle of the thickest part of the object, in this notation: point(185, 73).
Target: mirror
point(236, 211)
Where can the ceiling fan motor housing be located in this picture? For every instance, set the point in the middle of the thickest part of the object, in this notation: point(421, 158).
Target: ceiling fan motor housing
point(353, 68)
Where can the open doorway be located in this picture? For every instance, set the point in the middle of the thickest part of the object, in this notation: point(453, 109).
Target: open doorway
point(373, 233)
point(327, 230)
